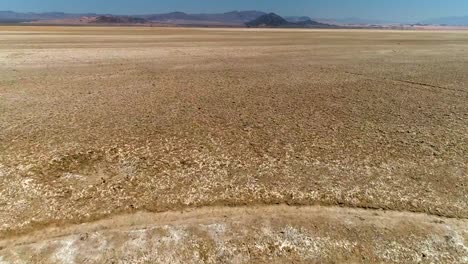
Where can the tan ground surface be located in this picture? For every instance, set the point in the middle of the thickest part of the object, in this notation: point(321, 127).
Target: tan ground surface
point(122, 124)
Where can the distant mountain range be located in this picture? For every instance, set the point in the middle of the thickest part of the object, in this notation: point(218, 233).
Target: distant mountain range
point(449, 21)
point(274, 20)
point(340, 21)
point(234, 18)
point(24, 17)
point(117, 20)
point(353, 21)
point(230, 18)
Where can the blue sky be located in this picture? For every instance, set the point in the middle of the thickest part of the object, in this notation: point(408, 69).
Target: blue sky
point(391, 10)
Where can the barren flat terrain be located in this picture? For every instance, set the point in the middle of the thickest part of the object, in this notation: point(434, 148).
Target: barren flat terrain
point(173, 145)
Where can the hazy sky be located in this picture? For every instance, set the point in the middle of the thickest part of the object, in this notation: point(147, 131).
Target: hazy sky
point(393, 10)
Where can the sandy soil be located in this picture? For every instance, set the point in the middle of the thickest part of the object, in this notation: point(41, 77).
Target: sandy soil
point(99, 124)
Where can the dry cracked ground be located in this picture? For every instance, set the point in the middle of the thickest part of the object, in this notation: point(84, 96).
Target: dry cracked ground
point(172, 145)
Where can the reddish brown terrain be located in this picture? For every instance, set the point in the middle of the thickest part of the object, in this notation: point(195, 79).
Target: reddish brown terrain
point(144, 145)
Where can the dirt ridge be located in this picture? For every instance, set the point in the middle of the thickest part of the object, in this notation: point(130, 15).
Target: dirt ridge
point(196, 210)
point(261, 234)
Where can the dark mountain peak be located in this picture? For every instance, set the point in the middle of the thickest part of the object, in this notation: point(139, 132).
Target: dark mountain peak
point(242, 16)
point(177, 13)
point(268, 20)
point(274, 15)
point(274, 20)
point(107, 19)
point(170, 16)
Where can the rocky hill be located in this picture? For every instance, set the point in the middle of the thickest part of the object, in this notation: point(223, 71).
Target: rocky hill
point(274, 20)
point(269, 20)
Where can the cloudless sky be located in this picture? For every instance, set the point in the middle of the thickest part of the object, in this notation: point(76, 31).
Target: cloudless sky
point(390, 10)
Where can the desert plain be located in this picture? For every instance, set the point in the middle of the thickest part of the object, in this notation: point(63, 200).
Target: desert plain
point(186, 145)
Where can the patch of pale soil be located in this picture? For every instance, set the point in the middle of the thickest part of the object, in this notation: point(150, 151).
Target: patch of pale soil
point(267, 234)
